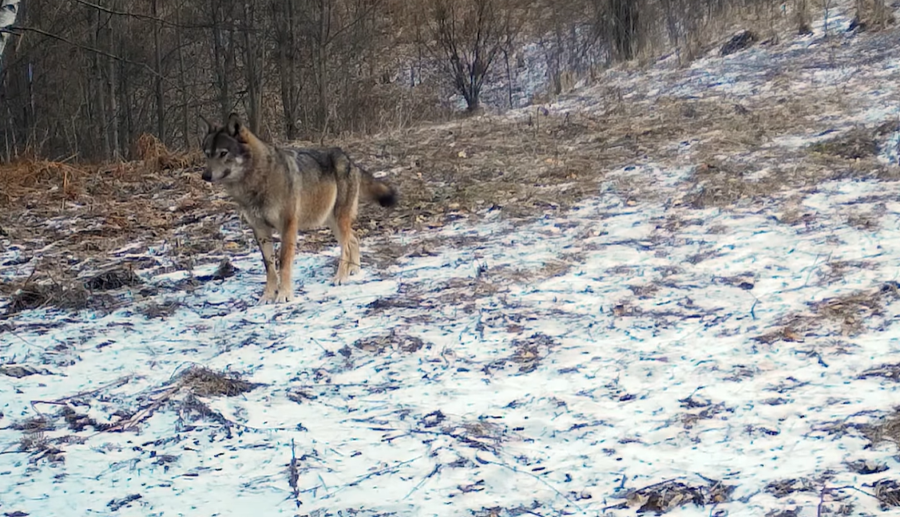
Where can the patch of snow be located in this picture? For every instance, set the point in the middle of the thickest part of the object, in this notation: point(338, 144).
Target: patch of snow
point(600, 409)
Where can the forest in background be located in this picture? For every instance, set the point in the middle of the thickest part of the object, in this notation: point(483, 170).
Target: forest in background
point(84, 79)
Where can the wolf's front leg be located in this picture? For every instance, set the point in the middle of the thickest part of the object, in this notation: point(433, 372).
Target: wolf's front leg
point(264, 240)
point(288, 247)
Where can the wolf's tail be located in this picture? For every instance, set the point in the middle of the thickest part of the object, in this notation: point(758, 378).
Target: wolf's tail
point(377, 190)
point(371, 188)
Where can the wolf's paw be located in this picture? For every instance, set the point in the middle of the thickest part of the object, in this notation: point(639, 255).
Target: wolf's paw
point(354, 270)
point(340, 278)
point(267, 298)
point(284, 296)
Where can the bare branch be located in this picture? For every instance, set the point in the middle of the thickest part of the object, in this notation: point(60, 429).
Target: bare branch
point(86, 48)
point(138, 16)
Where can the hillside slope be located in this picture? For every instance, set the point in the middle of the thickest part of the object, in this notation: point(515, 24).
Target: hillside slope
point(675, 291)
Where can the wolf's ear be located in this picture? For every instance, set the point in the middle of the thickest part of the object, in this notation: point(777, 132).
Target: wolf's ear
point(234, 124)
point(209, 126)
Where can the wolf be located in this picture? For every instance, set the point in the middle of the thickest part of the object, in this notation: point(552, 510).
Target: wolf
point(286, 189)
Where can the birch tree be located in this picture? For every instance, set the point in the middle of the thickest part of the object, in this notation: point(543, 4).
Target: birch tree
point(8, 11)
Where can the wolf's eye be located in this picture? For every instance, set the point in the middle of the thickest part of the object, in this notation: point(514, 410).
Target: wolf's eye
point(222, 154)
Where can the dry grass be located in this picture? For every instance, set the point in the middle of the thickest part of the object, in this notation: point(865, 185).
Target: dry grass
point(392, 341)
point(113, 279)
point(669, 495)
point(44, 291)
point(885, 429)
point(160, 310)
point(700, 409)
point(29, 178)
point(205, 382)
point(158, 157)
point(845, 315)
point(855, 144)
point(787, 487)
point(836, 270)
point(528, 163)
point(527, 354)
point(724, 185)
point(888, 493)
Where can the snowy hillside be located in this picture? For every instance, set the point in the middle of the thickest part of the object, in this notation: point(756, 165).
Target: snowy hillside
point(708, 330)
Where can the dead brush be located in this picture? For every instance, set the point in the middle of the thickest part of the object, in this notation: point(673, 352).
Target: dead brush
point(885, 429)
point(849, 313)
point(721, 185)
point(37, 424)
point(837, 270)
point(886, 371)
point(39, 447)
point(112, 279)
point(527, 354)
point(43, 291)
point(157, 157)
point(856, 144)
point(196, 381)
point(887, 491)
point(791, 486)
point(393, 341)
point(47, 180)
point(205, 382)
point(668, 495)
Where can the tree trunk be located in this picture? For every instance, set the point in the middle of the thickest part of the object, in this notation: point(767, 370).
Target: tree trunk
point(252, 66)
point(98, 113)
point(8, 11)
point(286, 52)
point(220, 58)
point(112, 78)
point(158, 80)
point(182, 83)
point(624, 20)
point(127, 109)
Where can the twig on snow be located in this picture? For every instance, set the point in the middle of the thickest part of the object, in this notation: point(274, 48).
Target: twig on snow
point(62, 401)
point(294, 476)
point(436, 469)
point(143, 414)
point(821, 501)
point(542, 480)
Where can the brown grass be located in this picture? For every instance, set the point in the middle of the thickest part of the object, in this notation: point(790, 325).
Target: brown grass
point(40, 178)
point(888, 492)
point(205, 382)
point(113, 279)
point(529, 163)
point(158, 157)
point(46, 291)
point(392, 341)
point(843, 315)
point(790, 486)
point(668, 495)
point(854, 145)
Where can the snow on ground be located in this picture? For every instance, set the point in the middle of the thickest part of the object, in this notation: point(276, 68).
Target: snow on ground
point(554, 393)
point(541, 367)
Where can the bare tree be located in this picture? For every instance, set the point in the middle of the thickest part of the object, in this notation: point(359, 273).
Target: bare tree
point(285, 39)
point(85, 78)
point(8, 11)
point(158, 80)
point(624, 20)
point(872, 14)
point(466, 37)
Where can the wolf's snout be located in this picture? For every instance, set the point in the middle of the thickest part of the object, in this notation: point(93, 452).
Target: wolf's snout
point(207, 175)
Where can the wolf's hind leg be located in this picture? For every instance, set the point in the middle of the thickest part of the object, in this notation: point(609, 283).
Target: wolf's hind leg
point(344, 235)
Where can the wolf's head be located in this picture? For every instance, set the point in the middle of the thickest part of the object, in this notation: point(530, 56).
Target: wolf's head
point(226, 151)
